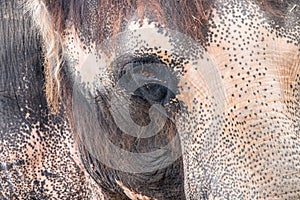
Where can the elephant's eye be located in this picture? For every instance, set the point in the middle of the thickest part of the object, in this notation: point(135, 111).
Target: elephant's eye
point(155, 93)
point(151, 81)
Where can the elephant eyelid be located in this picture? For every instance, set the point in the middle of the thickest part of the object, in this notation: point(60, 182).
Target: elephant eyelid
point(128, 62)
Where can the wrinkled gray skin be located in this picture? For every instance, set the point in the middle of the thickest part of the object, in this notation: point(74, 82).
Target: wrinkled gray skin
point(31, 167)
point(239, 129)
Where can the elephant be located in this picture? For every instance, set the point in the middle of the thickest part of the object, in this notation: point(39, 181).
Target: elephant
point(157, 99)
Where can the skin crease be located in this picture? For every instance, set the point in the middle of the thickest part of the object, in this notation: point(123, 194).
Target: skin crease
point(245, 77)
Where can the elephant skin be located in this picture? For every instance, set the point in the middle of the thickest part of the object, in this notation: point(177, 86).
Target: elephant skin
point(150, 99)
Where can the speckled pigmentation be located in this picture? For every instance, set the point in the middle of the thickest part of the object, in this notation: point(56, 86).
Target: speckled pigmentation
point(235, 109)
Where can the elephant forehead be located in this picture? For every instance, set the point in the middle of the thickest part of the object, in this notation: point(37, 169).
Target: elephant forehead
point(246, 50)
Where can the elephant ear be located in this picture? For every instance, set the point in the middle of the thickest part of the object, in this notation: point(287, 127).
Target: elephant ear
point(52, 49)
